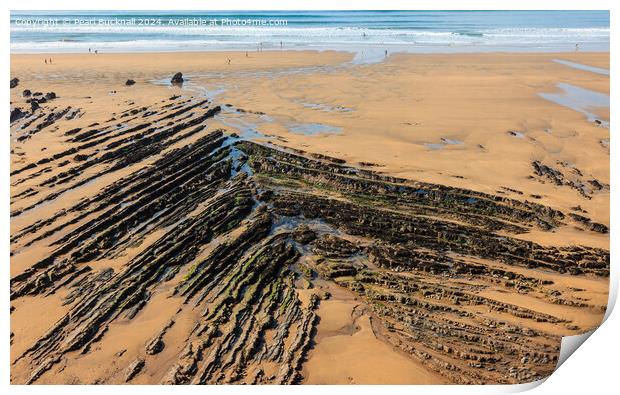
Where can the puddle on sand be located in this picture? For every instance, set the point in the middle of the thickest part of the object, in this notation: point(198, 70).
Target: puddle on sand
point(246, 129)
point(236, 157)
point(325, 107)
point(585, 67)
point(433, 146)
point(579, 99)
point(312, 129)
point(451, 142)
point(444, 141)
point(245, 124)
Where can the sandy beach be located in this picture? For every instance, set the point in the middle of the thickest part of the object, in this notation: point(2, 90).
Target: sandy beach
point(522, 138)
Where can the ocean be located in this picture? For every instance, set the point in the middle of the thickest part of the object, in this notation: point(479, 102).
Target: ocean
point(363, 32)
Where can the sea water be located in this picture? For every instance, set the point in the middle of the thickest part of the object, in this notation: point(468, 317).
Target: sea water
point(367, 33)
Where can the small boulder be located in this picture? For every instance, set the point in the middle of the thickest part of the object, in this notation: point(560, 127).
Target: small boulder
point(26, 93)
point(133, 369)
point(155, 346)
point(130, 82)
point(50, 96)
point(80, 157)
point(34, 105)
point(16, 114)
point(303, 234)
point(177, 78)
point(14, 82)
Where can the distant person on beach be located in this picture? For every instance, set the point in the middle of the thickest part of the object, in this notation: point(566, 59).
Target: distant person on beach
point(280, 44)
point(96, 52)
point(45, 60)
point(386, 53)
point(577, 47)
point(50, 60)
point(228, 59)
point(246, 54)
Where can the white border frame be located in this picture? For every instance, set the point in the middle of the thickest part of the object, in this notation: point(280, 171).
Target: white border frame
point(593, 369)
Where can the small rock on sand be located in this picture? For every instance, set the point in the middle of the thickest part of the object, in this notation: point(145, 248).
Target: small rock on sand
point(155, 346)
point(14, 82)
point(130, 82)
point(16, 114)
point(133, 369)
point(177, 78)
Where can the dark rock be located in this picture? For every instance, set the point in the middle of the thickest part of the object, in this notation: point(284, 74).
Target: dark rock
point(177, 78)
point(80, 157)
point(334, 247)
point(338, 269)
point(130, 82)
point(14, 82)
point(133, 369)
point(303, 234)
point(155, 346)
point(16, 114)
point(26, 93)
point(593, 226)
point(329, 158)
point(34, 105)
point(50, 96)
point(596, 185)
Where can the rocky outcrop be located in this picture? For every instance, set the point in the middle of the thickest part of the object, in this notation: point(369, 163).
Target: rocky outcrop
point(570, 177)
point(134, 369)
point(16, 114)
point(228, 230)
point(177, 78)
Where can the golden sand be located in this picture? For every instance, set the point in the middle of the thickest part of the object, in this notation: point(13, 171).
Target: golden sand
point(392, 114)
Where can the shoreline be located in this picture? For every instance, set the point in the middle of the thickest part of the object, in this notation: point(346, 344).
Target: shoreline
point(378, 48)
